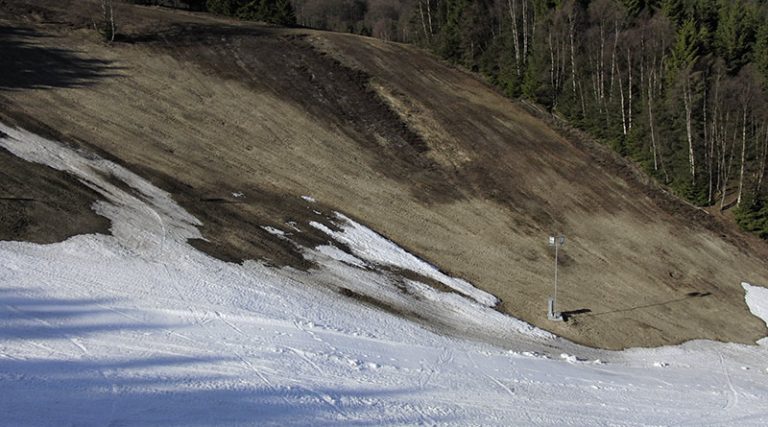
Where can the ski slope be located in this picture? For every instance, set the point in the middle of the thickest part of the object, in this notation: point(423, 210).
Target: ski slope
point(139, 328)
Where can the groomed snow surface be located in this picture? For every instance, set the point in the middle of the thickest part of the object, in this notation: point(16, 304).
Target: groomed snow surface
point(139, 328)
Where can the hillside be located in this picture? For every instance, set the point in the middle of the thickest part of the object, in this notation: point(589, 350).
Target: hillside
point(140, 328)
point(424, 154)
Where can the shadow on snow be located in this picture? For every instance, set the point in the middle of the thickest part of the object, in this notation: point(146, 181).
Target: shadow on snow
point(77, 387)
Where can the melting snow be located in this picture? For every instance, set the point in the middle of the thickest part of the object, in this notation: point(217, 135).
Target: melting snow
point(371, 246)
point(757, 300)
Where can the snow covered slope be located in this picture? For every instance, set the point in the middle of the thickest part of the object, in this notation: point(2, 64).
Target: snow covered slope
point(139, 328)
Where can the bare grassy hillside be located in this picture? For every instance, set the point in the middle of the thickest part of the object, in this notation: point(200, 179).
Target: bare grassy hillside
point(427, 155)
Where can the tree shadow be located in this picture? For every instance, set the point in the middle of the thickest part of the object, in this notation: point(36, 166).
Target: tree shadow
point(688, 296)
point(572, 313)
point(152, 392)
point(28, 318)
point(42, 384)
point(25, 64)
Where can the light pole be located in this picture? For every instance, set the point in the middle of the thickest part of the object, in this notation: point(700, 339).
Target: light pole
point(552, 313)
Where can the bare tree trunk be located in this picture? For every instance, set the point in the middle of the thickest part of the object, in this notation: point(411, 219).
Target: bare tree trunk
point(743, 155)
point(687, 101)
point(642, 66)
point(723, 175)
point(629, 88)
point(613, 58)
point(710, 165)
point(713, 137)
point(650, 122)
point(423, 21)
point(429, 18)
point(601, 65)
point(109, 20)
point(706, 142)
point(571, 31)
point(515, 35)
point(727, 163)
point(525, 31)
point(596, 86)
point(623, 114)
point(551, 66)
point(533, 25)
point(763, 160)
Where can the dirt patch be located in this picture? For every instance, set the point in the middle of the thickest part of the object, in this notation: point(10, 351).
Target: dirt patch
point(344, 99)
point(42, 205)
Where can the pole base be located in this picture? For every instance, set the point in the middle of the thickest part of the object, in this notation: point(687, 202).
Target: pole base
point(556, 317)
point(551, 313)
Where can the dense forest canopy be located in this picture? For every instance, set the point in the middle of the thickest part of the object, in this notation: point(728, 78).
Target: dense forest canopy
point(679, 86)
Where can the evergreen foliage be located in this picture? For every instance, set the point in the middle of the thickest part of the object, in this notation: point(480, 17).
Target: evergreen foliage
point(278, 12)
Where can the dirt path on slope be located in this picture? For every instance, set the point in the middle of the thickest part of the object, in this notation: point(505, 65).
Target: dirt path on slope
point(238, 121)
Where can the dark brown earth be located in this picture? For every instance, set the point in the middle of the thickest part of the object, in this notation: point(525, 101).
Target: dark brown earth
point(425, 154)
point(42, 205)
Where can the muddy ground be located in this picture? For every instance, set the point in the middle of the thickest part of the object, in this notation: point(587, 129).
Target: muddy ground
point(42, 205)
point(426, 154)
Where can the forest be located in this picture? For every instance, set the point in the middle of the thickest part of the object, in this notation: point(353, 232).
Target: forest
point(678, 86)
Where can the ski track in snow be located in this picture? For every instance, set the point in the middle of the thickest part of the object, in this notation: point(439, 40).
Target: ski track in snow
point(139, 328)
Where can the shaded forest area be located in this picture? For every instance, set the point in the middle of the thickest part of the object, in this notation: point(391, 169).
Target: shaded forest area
point(679, 86)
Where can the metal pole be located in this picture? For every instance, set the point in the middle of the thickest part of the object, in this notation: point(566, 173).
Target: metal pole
point(555, 301)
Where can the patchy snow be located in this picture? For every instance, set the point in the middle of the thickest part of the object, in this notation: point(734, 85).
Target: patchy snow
point(757, 300)
point(139, 328)
point(372, 247)
point(339, 255)
point(309, 199)
point(273, 231)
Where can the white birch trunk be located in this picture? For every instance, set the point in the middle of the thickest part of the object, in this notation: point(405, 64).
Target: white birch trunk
point(571, 31)
point(743, 156)
point(515, 35)
point(650, 122)
point(687, 101)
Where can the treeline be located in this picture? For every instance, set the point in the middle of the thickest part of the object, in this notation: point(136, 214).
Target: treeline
point(679, 86)
point(278, 12)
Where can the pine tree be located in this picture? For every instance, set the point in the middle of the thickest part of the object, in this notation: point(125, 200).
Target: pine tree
point(760, 52)
point(284, 13)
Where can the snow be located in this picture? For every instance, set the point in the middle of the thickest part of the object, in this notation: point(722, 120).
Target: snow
point(339, 255)
point(371, 246)
point(309, 199)
point(139, 328)
point(273, 231)
point(757, 300)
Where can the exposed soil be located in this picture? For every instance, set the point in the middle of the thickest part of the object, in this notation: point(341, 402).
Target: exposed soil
point(425, 154)
point(42, 205)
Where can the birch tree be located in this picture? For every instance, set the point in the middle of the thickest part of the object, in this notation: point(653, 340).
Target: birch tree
point(108, 20)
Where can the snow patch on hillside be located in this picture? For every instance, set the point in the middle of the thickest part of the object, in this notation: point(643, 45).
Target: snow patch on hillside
point(757, 300)
point(373, 247)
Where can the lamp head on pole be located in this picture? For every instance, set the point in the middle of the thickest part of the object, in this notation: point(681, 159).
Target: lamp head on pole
point(556, 240)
